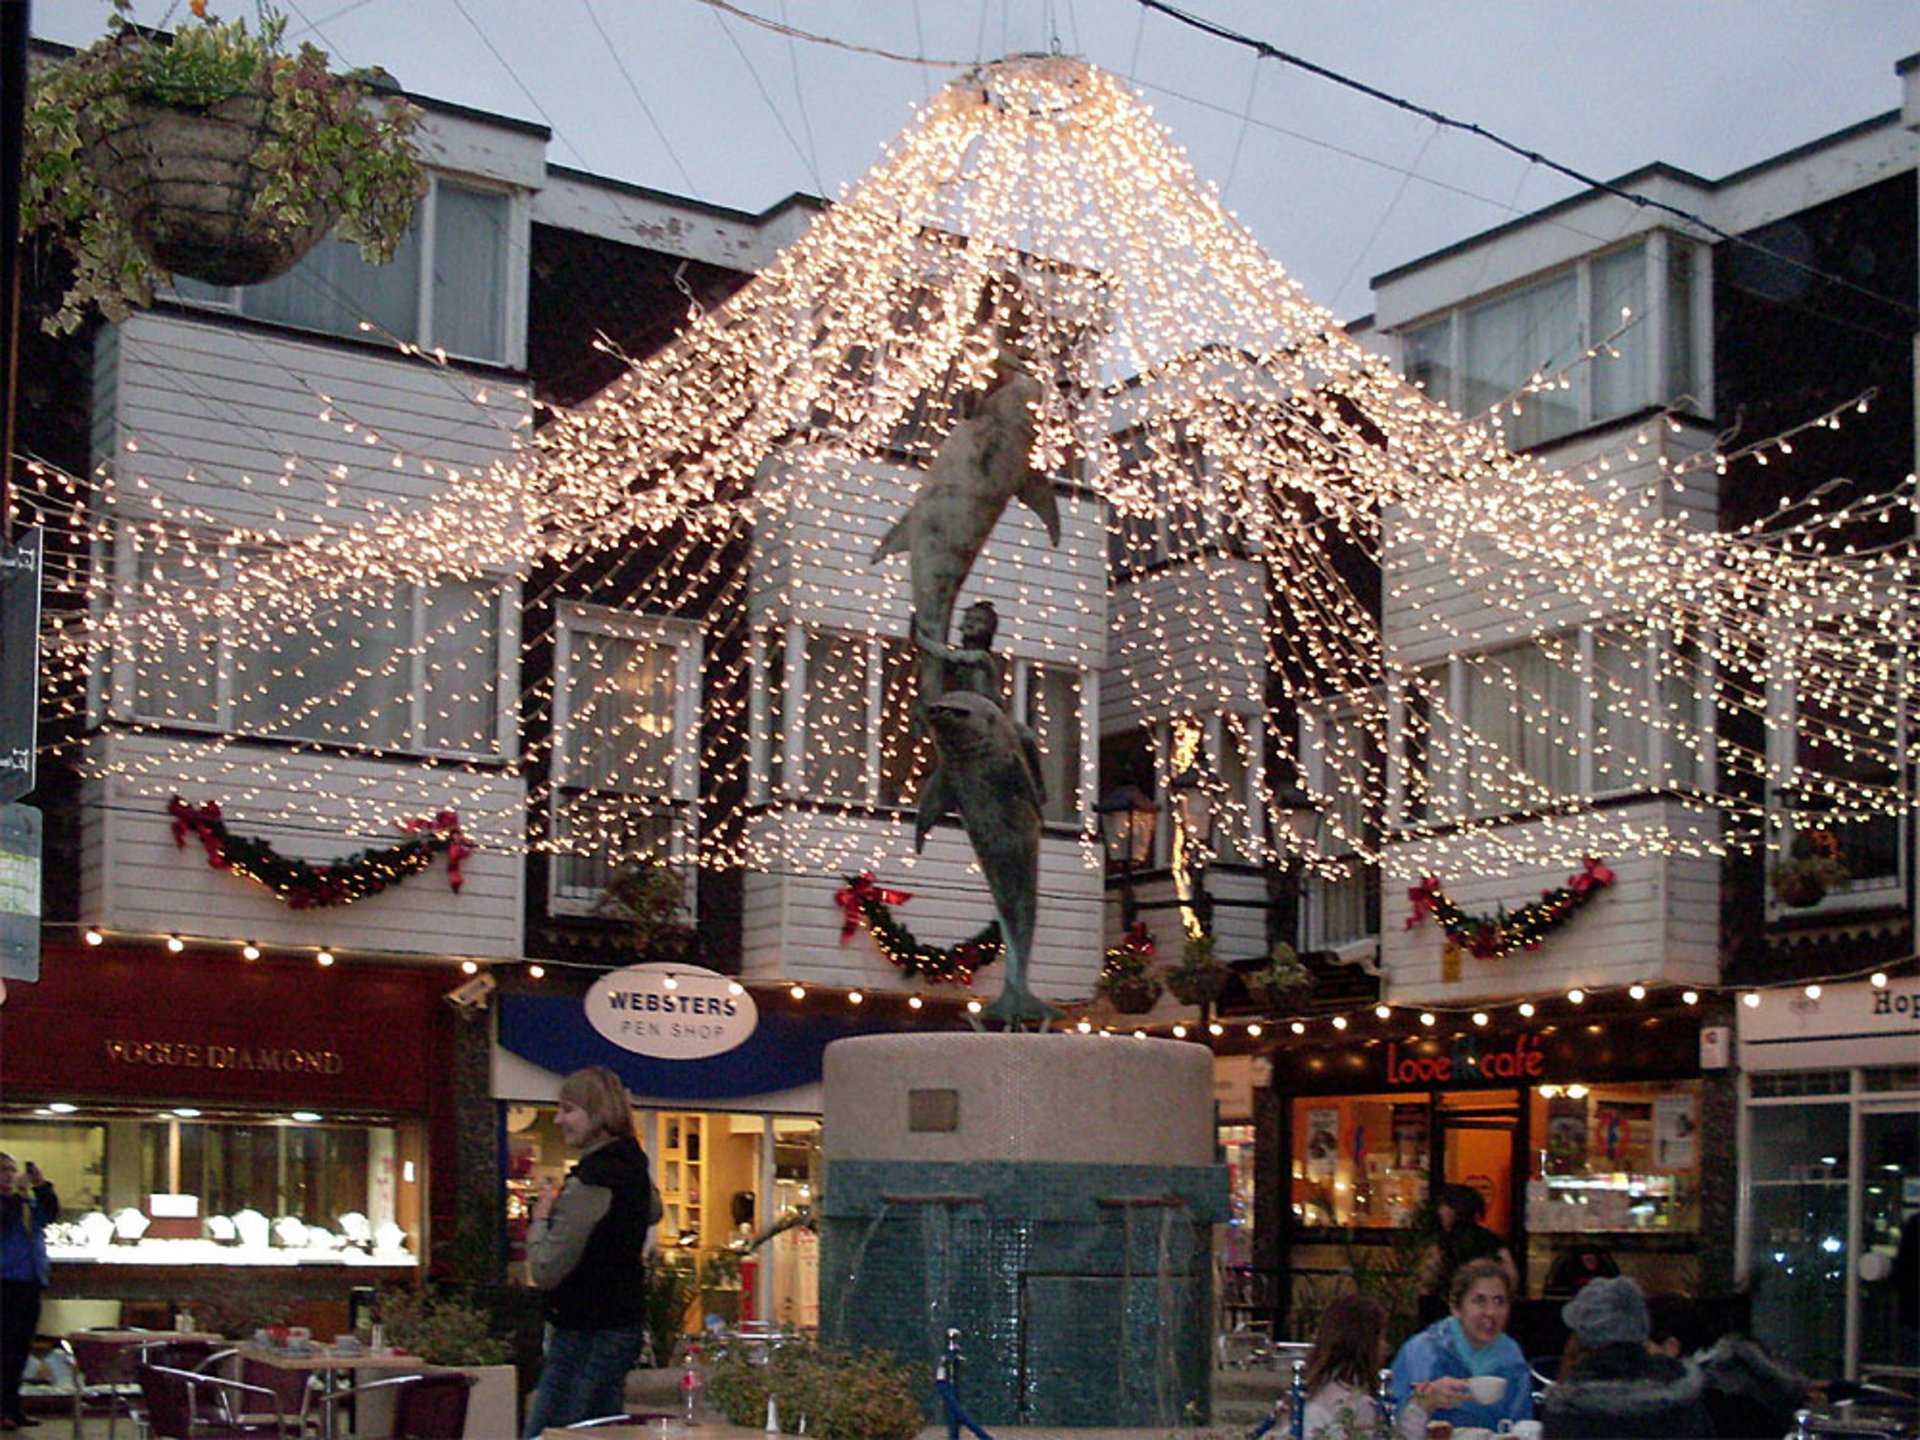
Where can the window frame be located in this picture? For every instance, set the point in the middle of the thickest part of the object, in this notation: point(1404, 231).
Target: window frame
point(779, 702)
point(680, 803)
point(511, 283)
point(124, 702)
point(1677, 346)
point(1449, 799)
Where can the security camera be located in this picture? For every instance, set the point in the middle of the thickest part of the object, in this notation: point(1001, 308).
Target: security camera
point(472, 995)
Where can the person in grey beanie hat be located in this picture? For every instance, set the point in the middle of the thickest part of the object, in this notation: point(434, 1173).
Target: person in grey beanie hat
point(1608, 1312)
point(1611, 1384)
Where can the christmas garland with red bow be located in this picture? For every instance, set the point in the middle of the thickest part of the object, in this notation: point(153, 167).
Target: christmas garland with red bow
point(1492, 936)
point(340, 882)
point(865, 903)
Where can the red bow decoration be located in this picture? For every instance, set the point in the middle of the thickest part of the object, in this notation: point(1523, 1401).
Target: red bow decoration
point(852, 899)
point(1423, 897)
point(1594, 876)
point(446, 823)
point(204, 822)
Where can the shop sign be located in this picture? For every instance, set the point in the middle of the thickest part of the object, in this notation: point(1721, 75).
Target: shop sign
point(671, 1012)
point(1852, 1024)
point(1465, 1062)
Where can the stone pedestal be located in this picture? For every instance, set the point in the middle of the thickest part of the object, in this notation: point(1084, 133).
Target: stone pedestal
point(1051, 1197)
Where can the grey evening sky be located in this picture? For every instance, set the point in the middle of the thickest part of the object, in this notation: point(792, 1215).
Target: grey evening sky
point(683, 97)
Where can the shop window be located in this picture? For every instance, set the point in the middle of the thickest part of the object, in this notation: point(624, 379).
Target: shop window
point(1360, 1160)
point(1613, 1158)
point(626, 693)
point(461, 302)
point(177, 1189)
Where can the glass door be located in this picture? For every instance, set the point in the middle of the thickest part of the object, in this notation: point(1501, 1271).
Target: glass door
point(1797, 1246)
point(1890, 1192)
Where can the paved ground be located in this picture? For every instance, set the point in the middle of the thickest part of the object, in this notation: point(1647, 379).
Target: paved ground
point(1240, 1398)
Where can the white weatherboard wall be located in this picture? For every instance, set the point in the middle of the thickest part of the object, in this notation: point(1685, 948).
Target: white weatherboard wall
point(1658, 923)
point(134, 878)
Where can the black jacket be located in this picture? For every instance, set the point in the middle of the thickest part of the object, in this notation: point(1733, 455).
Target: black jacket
point(1619, 1391)
point(603, 1286)
point(1749, 1393)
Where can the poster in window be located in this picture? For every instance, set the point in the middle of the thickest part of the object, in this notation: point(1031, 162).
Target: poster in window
point(1409, 1137)
point(1566, 1136)
point(1676, 1124)
point(1323, 1143)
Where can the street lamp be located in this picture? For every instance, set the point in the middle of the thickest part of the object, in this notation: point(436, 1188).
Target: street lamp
point(1127, 815)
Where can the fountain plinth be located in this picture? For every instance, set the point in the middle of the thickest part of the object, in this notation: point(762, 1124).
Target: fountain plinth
point(1051, 1197)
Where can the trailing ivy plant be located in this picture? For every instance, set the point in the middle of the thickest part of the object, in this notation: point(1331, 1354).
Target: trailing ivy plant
point(326, 150)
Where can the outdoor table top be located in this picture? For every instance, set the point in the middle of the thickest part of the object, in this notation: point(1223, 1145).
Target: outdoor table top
point(142, 1337)
point(325, 1357)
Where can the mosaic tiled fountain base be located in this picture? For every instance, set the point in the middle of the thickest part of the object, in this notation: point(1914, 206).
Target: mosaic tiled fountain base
point(1050, 1196)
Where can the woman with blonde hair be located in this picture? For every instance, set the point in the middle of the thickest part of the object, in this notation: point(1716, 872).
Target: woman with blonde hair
point(586, 1247)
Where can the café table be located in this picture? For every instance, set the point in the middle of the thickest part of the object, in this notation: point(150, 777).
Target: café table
point(331, 1362)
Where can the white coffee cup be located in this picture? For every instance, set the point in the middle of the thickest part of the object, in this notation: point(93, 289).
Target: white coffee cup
point(1471, 1432)
point(1487, 1389)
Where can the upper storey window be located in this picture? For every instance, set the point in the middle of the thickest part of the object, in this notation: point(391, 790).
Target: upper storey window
point(1634, 307)
point(449, 286)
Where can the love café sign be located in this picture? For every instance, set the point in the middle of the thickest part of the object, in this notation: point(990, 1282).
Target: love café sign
point(1466, 1062)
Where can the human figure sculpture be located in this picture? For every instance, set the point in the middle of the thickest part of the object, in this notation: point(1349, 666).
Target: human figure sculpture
point(989, 767)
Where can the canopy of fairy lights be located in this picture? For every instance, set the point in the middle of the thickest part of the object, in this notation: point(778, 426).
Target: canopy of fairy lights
point(1221, 420)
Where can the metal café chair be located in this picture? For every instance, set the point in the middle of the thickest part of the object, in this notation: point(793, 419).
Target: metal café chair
point(103, 1374)
point(430, 1405)
point(191, 1405)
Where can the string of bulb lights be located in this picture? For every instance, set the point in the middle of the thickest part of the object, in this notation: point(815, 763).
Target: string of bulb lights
point(1211, 413)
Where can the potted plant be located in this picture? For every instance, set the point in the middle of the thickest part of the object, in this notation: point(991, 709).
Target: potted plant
point(1282, 982)
point(1814, 866)
point(1126, 976)
point(648, 897)
point(445, 1330)
point(1199, 979)
point(212, 153)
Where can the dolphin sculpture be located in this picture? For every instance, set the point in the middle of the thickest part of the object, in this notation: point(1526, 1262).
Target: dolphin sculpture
point(980, 466)
point(990, 773)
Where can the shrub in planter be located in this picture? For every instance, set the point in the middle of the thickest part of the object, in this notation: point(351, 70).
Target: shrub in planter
point(213, 153)
point(1814, 867)
point(842, 1395)
point(440, 1329)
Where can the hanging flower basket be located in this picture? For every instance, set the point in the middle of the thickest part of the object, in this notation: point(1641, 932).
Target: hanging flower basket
point(1135, 995)
point(1126, 976)
point(188, 183)
point(213, 153)
point(1816, 867)
point(1198, 979)
point(1282, 983)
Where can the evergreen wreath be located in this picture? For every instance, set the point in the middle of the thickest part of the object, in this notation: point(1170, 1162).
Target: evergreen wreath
point(865, 903)
point(1492, 936)
point(340, 882)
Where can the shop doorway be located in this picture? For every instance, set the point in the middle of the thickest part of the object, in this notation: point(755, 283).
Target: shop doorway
point(1477, 1132)
point(1889, 1194)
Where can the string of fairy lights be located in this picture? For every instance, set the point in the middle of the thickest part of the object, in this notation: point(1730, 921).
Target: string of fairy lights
point(1229, 438)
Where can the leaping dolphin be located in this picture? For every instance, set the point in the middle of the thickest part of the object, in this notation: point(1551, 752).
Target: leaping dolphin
point(982, 464)
point(991, 773)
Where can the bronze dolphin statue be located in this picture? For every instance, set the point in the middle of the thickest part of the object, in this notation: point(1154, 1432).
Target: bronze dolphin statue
point(990, 773)
point(981, 465)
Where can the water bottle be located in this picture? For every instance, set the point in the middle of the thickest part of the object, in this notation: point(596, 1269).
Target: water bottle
point(691, 1384)
point(1383, 1416)
point(1297, 1399)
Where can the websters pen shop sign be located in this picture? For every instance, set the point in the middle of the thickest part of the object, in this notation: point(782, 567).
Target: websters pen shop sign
point(671, 1012)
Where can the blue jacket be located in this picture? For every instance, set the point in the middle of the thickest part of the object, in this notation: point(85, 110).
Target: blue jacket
point(1431, 1355)
point(23, 1234)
